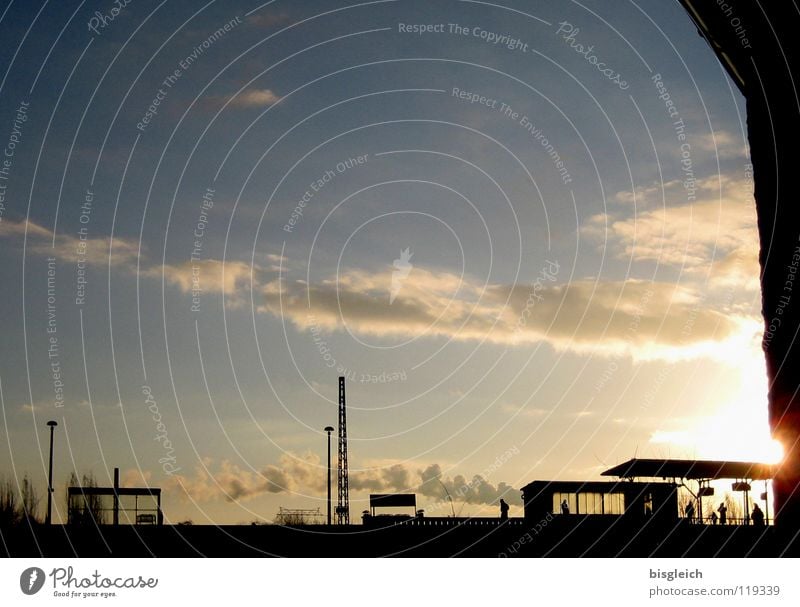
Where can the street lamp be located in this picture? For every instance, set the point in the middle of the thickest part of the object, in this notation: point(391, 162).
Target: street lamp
point(329, 429)
point(52, 425)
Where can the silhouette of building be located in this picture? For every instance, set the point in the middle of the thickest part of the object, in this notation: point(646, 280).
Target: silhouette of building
point(702, 472)
point(390, 500)
point(638, 500)
point(633, 500)
point(757, 43)
point(86, 505)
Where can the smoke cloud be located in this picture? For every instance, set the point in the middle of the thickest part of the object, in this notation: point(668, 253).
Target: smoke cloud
point(306, 474)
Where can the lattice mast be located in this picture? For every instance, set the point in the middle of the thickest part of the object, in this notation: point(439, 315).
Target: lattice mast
point(343, 503)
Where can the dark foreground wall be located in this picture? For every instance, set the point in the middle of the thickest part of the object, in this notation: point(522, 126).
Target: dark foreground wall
point(559, 537)
point(758, 43)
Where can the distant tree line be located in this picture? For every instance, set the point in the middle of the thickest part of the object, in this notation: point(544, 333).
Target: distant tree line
point(85, 509)
point(19, 503)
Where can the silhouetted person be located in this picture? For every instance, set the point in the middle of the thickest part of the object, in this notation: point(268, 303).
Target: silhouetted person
point(723, 513)
point(689, 511)
point(503, 510)
point(713, 518)
point(757, 516)
point(564, 507)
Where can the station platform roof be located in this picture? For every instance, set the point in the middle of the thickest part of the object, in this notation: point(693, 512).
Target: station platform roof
point(691, 469)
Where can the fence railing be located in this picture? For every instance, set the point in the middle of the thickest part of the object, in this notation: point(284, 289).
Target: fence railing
point(731, 520)
point(426, 521)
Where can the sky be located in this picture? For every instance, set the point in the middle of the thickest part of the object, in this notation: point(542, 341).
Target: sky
point(523, 231)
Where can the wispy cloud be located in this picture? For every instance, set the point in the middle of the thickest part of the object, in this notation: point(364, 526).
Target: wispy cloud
point(209, 276)
point(714, 235)
point(643, 319)
point(97, 251)
point(231, 277)
point(255, 98)
point(647, 320)
point(251, 98)
point(723, 143)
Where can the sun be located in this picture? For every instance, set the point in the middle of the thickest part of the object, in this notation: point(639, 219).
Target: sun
point(736, 428)
point(739, 428)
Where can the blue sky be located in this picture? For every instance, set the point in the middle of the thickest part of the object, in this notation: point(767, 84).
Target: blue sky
point(580, 282)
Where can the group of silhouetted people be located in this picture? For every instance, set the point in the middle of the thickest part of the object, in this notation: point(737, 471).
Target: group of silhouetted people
point(756, 516)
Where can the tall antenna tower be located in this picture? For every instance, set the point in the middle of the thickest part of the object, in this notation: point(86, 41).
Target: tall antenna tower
point(343, 503)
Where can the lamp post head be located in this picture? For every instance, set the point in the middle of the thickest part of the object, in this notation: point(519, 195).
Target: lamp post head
point(51, 423)
point(329, 429)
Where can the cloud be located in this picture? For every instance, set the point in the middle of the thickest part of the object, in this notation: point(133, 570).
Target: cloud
point(209, 276)
point(476, 491)
point(526, 411)
point(11, 227)
point(135, 478)
point(255, 98)
point(394, 479)
point(723, 143)
point(202, 487)
point(362, 299)
point(715, 235)
point(277, 262)
point(95, 251)
point(40, 407)
point(737, 269)
point(230, 482)
point(647, 320)
point(305, 473)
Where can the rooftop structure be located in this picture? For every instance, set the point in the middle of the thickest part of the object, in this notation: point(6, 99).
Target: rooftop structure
point(691, 469)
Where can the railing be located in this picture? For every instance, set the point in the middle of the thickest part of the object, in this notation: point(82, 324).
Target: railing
point(731, 520)
point(426, 521)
